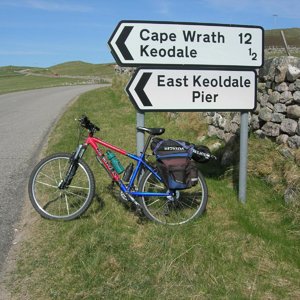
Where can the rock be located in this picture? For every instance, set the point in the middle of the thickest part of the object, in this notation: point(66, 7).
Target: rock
point(282, 139)
point(294, 142)
point(291, 195)
point(255, 124)
point(279, 108)
point(259, 133)
point(274, 97)
point(271, 129)
point(280, 73)
point(263, 99)
point(265, 114)
point(261, 86)
point(297, 85)
point(289, 126)
point(296, 97)
point(286, 152)
point(282, 87)
point(298, 128)
point(292, 73)
point(234, 127)
point(272, 67)
point(293, 111)
point(212, 130)
point(285, 97)
point(277, 117)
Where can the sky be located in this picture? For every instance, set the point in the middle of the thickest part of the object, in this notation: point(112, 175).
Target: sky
point(42, 33)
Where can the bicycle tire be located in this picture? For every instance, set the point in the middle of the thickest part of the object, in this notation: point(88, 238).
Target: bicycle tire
point(185, 206)
point(49, 200)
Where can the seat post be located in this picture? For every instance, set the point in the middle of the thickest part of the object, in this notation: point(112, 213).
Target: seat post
point(147, 143)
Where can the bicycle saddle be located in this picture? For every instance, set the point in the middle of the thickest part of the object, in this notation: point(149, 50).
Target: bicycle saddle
point(152, 131)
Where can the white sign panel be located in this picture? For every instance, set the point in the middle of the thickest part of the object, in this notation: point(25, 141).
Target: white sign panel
point(165, 43)
point(192, 90)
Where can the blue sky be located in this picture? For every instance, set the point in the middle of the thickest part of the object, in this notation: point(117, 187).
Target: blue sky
point(43, 33)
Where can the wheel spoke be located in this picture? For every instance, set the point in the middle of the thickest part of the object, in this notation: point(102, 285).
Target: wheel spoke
point(180, 208)
point(54, 203)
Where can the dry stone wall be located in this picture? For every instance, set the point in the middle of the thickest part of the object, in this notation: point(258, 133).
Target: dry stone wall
point(277, 114)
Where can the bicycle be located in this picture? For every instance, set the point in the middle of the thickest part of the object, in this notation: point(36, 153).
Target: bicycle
point(62, 185)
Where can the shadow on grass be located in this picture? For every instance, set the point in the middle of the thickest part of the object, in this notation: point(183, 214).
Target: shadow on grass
point(226, 165)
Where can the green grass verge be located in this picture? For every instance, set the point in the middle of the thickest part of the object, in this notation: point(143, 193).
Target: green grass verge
point(11, 80)
point(234, 251)
point(21, 83)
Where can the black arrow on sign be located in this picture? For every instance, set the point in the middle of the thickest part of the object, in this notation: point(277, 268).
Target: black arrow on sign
point(140, 89)
point(121, 42)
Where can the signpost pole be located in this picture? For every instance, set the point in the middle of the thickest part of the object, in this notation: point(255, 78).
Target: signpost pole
point(243, 156)
point(140, 121)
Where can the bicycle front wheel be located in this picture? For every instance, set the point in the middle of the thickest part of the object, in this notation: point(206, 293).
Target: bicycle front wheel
point(182, 207)
point(48, 197)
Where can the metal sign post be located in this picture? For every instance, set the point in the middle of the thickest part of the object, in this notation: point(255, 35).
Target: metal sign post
point(227, 55)
point(140, 121)
point(243, 156)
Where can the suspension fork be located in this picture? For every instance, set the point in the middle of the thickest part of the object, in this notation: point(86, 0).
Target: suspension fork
point(74, 159)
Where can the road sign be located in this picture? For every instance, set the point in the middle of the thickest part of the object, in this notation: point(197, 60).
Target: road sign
point(135, 43)
point(192, 90)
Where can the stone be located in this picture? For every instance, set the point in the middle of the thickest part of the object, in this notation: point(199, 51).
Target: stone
point(279, 108)
point(236, 119)
point(289, 126)
point(298, 128)
point(280, 73)
point(294, 142)
point(291, 195)
point(270, 68)
point(255, 122)
point(297, 85)
point(282, 87)
point(265, 114)
point(274, 97)
point(261, 86)
point(282, 139)
point(277, 117)
point(285, 97)
point(286, 152)
point(212, 130)
point(293, 111)
point(296, 97)
point(234, 127)
point(271, 129)
point(292, 87)
point(259, 133)
point(263, 99)
point(292, 73)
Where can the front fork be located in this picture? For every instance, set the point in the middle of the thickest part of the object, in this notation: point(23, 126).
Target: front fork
point(66, 181)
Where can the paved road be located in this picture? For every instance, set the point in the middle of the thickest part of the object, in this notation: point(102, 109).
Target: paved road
point(25, 120)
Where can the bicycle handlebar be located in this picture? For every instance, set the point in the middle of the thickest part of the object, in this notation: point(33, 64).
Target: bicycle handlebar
point(87, 124)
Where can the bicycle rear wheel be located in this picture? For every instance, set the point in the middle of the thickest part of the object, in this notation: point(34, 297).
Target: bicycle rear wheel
point(182, 207)
point(52, 201)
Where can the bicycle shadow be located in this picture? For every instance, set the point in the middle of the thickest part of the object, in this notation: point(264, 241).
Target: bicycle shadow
point(226, 165)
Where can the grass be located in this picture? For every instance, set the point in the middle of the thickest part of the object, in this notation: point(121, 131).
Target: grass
point(234, 251)
point(11, 80)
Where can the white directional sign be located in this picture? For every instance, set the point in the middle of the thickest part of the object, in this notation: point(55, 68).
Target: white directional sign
point(136, 43)
point(192, 90)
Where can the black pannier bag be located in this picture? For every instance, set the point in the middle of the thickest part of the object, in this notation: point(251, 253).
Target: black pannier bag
point(200, 153)
point(174, 163)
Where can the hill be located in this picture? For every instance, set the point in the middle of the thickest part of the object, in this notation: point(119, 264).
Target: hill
point(273, 37)
point(83, 69)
